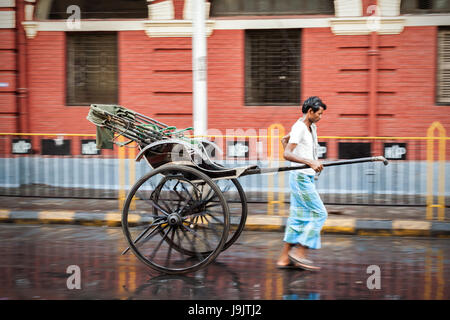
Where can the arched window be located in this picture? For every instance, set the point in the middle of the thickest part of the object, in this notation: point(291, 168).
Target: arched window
point(93, 9)
point(270, 7)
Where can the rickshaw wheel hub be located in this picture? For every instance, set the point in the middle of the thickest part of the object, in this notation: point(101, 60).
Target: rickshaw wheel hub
point(174, 219)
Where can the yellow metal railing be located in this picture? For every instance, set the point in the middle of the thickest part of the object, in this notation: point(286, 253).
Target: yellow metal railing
point(275, 152)
point(122, 153)
point(430, 171)
point(233, 136)
point(126, 153)
point(49, 134)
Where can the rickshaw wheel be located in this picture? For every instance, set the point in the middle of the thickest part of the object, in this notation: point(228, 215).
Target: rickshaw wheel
point(237, 203)
point(233, 193)
point(172, 226)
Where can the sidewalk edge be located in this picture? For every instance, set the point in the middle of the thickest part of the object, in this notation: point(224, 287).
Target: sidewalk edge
point(349, 226)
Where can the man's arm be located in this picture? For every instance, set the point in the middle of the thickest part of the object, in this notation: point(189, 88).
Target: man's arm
point(290, 156)
point(285, 140)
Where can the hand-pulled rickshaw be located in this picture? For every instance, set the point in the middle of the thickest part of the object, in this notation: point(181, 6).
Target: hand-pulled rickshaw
point(188, 208)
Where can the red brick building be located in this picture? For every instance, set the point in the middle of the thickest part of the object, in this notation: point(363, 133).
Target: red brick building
point(382, 72)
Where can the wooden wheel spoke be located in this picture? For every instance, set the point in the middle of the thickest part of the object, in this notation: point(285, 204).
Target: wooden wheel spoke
point(158, 207)
point(198, 254)
point(196, 235)
point(159, 244)
point(204, 213)
point(212, 227)
point(153, 233)
point(157, 192)
point(170, 247)
point(181, 199)
point(215, 204)
point(155, 223)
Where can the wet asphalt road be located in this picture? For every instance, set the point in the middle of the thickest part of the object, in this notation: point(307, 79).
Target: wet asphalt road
point(35, 259)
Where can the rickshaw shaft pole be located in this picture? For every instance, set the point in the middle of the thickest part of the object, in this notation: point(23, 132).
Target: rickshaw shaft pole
point(304, 166)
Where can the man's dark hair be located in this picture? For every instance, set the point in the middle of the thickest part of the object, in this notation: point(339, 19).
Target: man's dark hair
point(313, 103)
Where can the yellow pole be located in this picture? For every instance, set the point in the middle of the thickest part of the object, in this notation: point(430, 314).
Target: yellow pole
point(441, 186)
point(275, 152)
point(121, 155)
point(270, 177)
point(430, 171)
point(430, 158)
point(281, 176)
point(132, 170)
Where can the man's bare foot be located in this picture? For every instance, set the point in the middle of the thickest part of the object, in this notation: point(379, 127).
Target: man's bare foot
point(284, 263)
point(283, 260)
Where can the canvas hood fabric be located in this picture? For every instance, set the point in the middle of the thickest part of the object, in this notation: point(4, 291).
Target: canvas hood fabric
point(98, 115)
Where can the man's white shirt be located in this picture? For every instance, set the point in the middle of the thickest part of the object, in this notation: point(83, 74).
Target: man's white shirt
point(306, 143)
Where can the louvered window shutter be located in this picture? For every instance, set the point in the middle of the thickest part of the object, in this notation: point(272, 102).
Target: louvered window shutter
point(272, 67)
point(443, 77)
point(92, 71)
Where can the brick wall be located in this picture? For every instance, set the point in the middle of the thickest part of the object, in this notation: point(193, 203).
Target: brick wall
point(46, 61)
point(8, 108)
point(155, 78)
point(336, 68)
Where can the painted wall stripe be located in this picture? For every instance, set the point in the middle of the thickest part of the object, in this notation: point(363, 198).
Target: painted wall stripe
point(411, 224)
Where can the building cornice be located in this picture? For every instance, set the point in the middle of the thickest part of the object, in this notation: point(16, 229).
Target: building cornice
point(153, 28)
point(174, 28)
point(183, 28)
point(366, 25)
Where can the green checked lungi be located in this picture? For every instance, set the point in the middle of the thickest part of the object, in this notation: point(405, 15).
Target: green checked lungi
point(307, 212)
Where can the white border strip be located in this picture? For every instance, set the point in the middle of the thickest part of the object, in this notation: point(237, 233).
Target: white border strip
point(427, 20)
point(239, 24)
point(100, 25)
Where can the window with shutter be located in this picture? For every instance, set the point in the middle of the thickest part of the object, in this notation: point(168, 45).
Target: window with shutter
point(89, 9)
point(270, 7)
point(443, 75)
point(92, 75)
point(425, 6)
point(272, 67)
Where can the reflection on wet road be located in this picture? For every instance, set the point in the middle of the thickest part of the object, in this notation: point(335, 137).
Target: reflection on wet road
point(35, 258)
